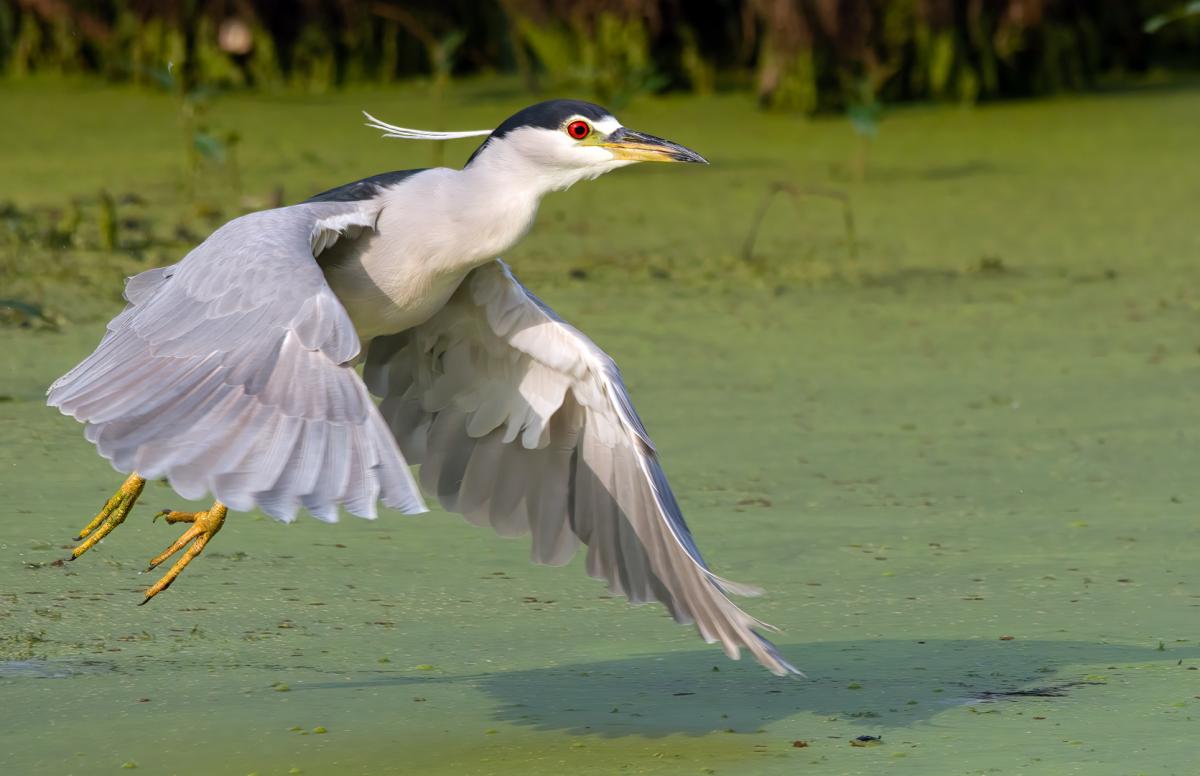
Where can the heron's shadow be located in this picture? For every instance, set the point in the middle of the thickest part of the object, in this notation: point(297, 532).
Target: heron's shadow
point(885, 683)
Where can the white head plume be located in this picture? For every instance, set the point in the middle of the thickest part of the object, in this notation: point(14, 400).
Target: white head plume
point(420, 134)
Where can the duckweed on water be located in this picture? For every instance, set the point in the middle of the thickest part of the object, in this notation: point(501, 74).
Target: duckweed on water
point(855, 401)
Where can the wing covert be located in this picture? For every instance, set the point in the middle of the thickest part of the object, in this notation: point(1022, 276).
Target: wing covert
point(231, 373)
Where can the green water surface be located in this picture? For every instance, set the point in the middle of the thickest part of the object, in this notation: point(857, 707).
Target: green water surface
point(968, 486)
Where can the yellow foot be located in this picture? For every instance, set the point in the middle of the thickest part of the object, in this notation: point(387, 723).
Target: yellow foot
point(204, 526)
point(112, 515)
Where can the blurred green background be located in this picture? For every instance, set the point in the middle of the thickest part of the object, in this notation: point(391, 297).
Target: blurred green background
point(810, 55)
point(920, 350)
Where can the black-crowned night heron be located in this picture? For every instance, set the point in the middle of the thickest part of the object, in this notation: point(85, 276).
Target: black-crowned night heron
point(232, 373)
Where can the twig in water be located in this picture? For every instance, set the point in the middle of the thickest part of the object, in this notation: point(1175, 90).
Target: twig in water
point(798, 193)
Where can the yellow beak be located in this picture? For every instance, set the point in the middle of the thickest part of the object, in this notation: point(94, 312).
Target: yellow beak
point(637, 146)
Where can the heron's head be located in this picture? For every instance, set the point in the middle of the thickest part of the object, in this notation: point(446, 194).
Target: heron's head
point(561, 142)
point(551, 145)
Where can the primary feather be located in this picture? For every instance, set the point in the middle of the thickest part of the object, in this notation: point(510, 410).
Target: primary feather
point(520, 422)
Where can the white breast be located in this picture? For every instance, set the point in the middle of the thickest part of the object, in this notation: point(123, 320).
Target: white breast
point(433, 229)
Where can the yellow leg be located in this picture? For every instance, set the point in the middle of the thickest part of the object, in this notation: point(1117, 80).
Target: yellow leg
point(114, 512)
point(204, 526)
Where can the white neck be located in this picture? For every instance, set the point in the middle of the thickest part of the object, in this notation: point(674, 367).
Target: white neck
point(493, 205)
point(437, 225)
point(514, 162)
point(470, 216)
point(456, 220)
point(433, 229)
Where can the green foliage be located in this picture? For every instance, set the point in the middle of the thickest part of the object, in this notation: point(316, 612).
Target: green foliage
point(700, 73)
point(789, 80)
point(961, 53)
point(608, 56)
point(313, 64)
point(107, 222)
point(1156, 23)
point(865, 112)
point(443, 55)
point(941, 62)
point(802, 55)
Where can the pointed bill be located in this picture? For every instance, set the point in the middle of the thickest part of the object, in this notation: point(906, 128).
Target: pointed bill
point(625, 143)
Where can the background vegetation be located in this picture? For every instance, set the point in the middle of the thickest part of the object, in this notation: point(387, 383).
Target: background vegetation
point(810, 55)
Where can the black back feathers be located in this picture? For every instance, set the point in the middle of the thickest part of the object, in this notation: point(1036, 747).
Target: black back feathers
point(367, 188)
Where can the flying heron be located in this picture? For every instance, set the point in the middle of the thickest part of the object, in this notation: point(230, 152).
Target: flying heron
point(233, 373)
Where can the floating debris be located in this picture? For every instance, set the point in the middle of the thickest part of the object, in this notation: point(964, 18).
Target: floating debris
point(1053, 691)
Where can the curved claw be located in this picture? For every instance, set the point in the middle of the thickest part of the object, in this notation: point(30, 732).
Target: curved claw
point(204, 526)
point(112, 514)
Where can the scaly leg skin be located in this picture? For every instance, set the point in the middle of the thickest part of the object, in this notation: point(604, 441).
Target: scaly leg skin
point(115, 510)
point(204, 526)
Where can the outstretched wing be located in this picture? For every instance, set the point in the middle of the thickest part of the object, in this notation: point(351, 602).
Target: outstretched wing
point(232, 373)
point(520, 422)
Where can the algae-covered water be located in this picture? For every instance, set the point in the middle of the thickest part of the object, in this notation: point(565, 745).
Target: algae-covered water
point(963, 466)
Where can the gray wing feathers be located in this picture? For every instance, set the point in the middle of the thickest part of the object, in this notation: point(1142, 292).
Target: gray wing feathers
point(139, 287)
point(521, 423)
point(231, 373)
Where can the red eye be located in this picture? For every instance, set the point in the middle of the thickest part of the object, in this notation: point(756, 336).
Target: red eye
point(579, 129)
